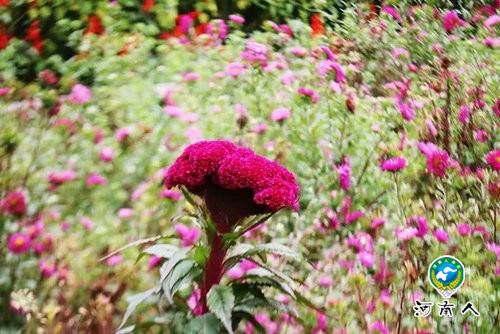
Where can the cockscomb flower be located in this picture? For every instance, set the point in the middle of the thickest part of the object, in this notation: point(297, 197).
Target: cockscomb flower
point(14, 203)
point(233, 181)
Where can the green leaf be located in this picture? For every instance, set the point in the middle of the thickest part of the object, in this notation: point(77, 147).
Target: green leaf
point(133, 302)
point(161, 250)
point(246, 251)
point(206, 324)
point(179, 274)
point(167, 267)
point(126, 330)
point(220, 301)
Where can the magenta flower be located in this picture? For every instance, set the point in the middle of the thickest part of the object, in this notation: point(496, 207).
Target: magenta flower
point(170, 194)
point(405, 234)
point(235, 69)
point(492, 42)
point(438, 160)
point(378, 327)
point(87, 223)
point(441, 235)
point(280, 114)
point(325, 281)
point(464, 229)
point(58, 178)
point(255, 53)
point(107, 154)
point(125, 213)
point(154, 261)
point(421, 224)
point(114, 260)
point(122, 134)
point(392, 12)
point(393, 164)
point(406, 108)
point(377, 222)
point(299, 51)
point(19, 243)
point(344, 173)
point(233, 181)
point(367, 259)
point(491, 21)
point(95, 179)
point(47, 269)
point(308, 92)
point(464, 114)
point(80, 94)
point(451, 20)
point(35, 229)
point(238, 19)
point(14, 203)
point(4, 91)
point(191, 76)
point(189, 236)
point(493, 159)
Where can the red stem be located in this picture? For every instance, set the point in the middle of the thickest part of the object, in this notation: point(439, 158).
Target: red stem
point(214, 269)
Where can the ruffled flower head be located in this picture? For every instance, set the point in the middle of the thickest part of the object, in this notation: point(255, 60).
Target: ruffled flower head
point(233, 181)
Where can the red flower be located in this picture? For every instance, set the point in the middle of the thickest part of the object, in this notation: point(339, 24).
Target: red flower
point(317, 24)
point(4, 3)
point(95, 25)
point(201, 29)
point(234, 181)
point(147, 5)
point(14, 203)
point(34, 35)
point(4, 38)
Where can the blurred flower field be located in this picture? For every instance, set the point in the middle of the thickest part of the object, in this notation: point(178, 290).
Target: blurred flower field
point(387, 122)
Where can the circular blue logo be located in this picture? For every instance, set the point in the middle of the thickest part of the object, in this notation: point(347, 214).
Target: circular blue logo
point(446, 272)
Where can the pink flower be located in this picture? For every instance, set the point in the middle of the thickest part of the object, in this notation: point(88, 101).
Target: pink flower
point(493, 159)
point(377, 222)
point(464, 114)
point(405, 234)
point(154, 261)
point(378, 327)
point(80, 94)
point(35, 229)
point(95, 179)
point(189, 236)
point(87, 223)
point(191, 76)
point(233, 181)
point(114, 260)
point(492, 42)
point(4, 91)
point(107, 154)
point(280, 114)
point(238, 19)
point(441, 235)
point(351, 217)
point(255, 53)
point(321, 323)
point(437, 159)
point(361, 241)
point(452, 21)
point(125, 213)
point(464, 229)
point(14, 203)
point(122, 134)
point(392, 12)
point(385, 297)
point(235, 69)
point(344, 173)
point(235, 273)
point(299, 51)
point(308, 92)
point(47, 269)
point(400, 53)
point(170, 194)
point(45, 245)
point(406, 108)
point(366, 259)
point(492, 21)
point(481, 135)
point(325, 281)
point(19, 243)
point(194, 304)
point(58, 178)
point(393, 164)
point(421, 224)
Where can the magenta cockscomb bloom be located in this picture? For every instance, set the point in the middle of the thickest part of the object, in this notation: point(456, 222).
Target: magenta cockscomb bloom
point(451, 21)
point(233, 181)
point(280, 114)
point(493, 159)
point(393, 164)
point(19, 243)
point(80, 94)
point(14, 203)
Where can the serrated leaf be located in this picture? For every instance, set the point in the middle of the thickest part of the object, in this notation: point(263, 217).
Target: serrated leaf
point(220, 301)
point(126, 330)
point(133, 302)
point(161, 250)
point(242, 251)
point(167, 267)
point(177, 276)
point(205, 324)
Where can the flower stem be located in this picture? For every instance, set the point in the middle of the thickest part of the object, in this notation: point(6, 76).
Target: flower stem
point(214, 268)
